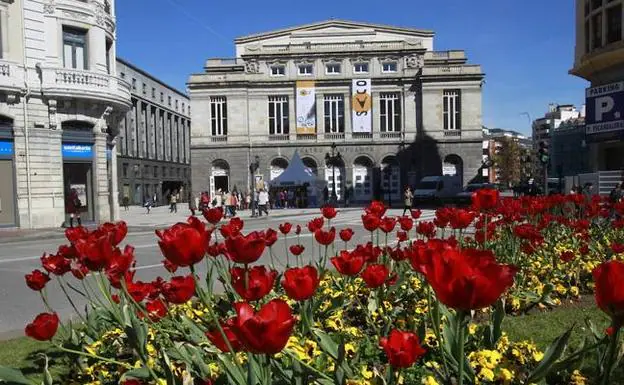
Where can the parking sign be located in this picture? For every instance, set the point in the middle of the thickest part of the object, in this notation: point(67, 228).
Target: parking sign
point(605, 108)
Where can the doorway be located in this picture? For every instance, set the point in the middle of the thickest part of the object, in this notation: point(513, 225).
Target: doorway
point(221, 183)
point(79, 177)
point(7, 191)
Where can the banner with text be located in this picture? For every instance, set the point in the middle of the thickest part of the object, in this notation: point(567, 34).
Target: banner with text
point(361, 105)
point(306, 107)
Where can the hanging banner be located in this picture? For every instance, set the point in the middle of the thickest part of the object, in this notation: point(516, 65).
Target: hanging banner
point(306, 107)
point(361, 105)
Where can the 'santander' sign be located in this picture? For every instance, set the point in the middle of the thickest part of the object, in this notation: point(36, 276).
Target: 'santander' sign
point(306, 107)
point(361, 105)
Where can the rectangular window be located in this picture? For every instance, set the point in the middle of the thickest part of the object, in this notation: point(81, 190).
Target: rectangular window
point(278, 115)
point(360, 68)
point(278, 70)
point(134, 84)
point(153, 92)
point(332, 69)
point(587, 40)
point(597, 31)
point(614, 24)
point(123, 75)
point(182, 107)
point(164, 171)
point(124, 170)
point(109, 45)
point(389, 67)
point(155, 171)
point(176, 104)
point(218, 115)
point(162, 97)
point(452, 109)
point(144, 88)
point(390, 111)
point(334, 113)
point(169, 101)
point(306, 69)
point(75, 48)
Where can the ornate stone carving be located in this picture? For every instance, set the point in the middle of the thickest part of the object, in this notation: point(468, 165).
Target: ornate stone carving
point(99, 14)
point(415, 61)
point(52, 109)
point(252, 66)
point(49, 8)
point(75, 15)
point(102, 123)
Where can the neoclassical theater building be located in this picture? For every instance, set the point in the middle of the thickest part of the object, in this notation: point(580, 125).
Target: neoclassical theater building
point(60, 99)
point(393, 107)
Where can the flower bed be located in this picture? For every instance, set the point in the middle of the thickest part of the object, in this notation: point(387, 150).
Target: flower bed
point(422, 302)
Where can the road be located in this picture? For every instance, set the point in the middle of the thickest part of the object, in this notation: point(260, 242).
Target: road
point(19, 304)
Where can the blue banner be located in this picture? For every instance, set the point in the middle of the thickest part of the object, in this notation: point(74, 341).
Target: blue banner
point(605, 109)
point(77, 151)
point(6, 148)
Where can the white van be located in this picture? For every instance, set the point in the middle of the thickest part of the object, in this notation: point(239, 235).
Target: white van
point(437, 188)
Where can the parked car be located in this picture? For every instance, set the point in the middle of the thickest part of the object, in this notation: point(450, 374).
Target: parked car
point(437, 189)
point(465, 196)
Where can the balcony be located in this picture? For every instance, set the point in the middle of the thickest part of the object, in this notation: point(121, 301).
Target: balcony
point(361, 135)
point(308, 137)
point(334, 136)
point(71, 83)
point(390, 135)
point(278, 137)
point(11, 77)
point(455, 133)
point(218, 139)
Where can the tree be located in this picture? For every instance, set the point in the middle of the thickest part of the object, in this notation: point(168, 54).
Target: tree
point(508, 162)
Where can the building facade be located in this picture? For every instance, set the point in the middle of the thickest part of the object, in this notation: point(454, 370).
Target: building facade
point(569, 151)
point(599, 59)
point(153, 144)
point(60, 99)
point(492, 144)
point(394, 108)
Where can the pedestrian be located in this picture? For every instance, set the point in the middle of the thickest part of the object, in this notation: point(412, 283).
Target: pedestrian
point(408, 198)
point(154, 200)
point(588, 190)
point(148, 204)
point(173, 202)
point(326, 195)
point(125, 201)
point(616, 194)
point(263, 202)
point(192, 204)
point(248, 201)
point(73, 206)
point(347, 196)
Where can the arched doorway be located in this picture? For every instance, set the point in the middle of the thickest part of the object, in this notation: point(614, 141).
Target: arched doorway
point(219, 176)
point(334, 174)
point(391, 179)
point(362, 179)
point(311, 165)
point(453, 165)
point(278, 165)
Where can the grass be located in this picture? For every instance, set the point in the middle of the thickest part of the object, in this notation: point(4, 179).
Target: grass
point(26, 354)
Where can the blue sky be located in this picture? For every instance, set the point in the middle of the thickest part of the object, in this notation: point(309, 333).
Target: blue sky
point(524, 47)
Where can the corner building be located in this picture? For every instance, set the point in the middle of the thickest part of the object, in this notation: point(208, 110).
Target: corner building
point(60, 99)
point(153, 143)
point(395, 109)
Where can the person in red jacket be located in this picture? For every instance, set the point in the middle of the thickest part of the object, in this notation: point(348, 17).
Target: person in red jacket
point(72, 207)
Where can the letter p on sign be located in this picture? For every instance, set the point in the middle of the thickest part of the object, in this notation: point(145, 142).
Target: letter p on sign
point(604, 105)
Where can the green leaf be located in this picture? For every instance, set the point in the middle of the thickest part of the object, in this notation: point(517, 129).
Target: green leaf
point(233, 372)
point(47, 377)
point(553, 353)
point(137, 374)
point(494, 331)
point(13, 376)
point(327, 344)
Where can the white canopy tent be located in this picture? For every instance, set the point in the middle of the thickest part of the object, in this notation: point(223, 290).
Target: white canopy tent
point(298, 175)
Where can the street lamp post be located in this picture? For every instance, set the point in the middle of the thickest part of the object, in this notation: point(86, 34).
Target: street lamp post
point(388, 173)
point(253, 167)
point(333, 158)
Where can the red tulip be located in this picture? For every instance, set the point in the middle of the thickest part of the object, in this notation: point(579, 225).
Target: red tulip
point(401, 348)
point(617, 247)
point(95, 251)
point(37, 280)
point(298, 229)
point(44, 327)
point(179, 290)
point(300, 283)
point(406, 223)
point(369, 252)
point(260, 281)
point(485, 199)
point(348, 263)
point(346, 234)
point(296, 249)
point(315, 224)
point(387, 224)
point(229, 329)
point(285, 228)
point(329, 212)
point(156, 309)
point(80, 271)
point(132, 381)
point(401, 236)
point(170, 266)
point(228, 230)
point(154, 288)
point(375, 275)
point(566, 256)
point(237, 223)
point(270, 237)
point(55, 264)
point(138, 290)
point(376, 208)
point(117, 231)
point(468, 279)
point(427, 229)
point(73, 234)
point(461, 219)
point(68, 252)
point(214, 250)
point(609, 289)
point(246, 249)
point(120, 262)
point(443, 217)
point(415, 213)
point(268, 330)
point(325, 238)
point(184, 244)
point(370, 221)
point(213, 215)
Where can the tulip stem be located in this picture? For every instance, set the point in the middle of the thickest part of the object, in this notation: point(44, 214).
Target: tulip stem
point(309, 367)
point(84, 354)
point(611, 352)
point(286, 249)
point(461, 330)
point(71, 302)
point(45, 301)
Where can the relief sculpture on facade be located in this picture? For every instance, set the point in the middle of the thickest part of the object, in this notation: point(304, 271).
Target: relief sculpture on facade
point(415, 61)
point(252, 67)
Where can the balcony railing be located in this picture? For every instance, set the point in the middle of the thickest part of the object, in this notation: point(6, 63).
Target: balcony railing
point(452, 132)
point(334, 135)
point(278, 137)
point(306, 136)
point(70, 77)
point(11, 76)
point(69, 82)
point(362, 135)
point(390, 135)
point(222, 138)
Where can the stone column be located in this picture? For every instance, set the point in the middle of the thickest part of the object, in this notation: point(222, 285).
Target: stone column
point(114, 188)
point(101, 211)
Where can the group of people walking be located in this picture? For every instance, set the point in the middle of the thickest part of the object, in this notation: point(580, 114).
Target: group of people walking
point(257, 202)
